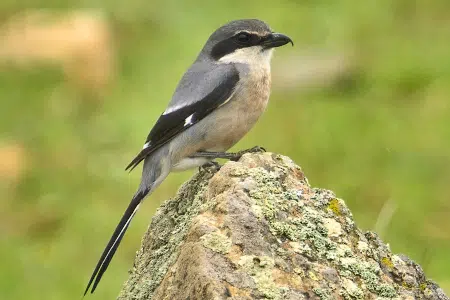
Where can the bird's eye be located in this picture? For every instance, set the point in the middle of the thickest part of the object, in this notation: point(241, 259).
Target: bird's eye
point(243, 37)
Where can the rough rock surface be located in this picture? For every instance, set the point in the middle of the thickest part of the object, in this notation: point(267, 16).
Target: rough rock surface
point(256, 229)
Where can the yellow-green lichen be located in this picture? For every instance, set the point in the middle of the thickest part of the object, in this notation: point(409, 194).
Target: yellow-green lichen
point(407, 285)
point(217, 242)
point(313, 276)
point(387, 262)
point(335, 207)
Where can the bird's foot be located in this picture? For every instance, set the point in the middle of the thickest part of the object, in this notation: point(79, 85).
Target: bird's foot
point(256, 149)
point(210, 167)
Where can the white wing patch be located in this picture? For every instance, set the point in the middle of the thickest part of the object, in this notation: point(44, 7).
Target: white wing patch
point(146, 145)
point(188, 120)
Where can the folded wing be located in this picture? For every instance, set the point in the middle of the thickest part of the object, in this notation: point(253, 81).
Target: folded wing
point(199, 93)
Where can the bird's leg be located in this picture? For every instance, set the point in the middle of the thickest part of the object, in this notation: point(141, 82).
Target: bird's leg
point(213, 155)
point(227, 155)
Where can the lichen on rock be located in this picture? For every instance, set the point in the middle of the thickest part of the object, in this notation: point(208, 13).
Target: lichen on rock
point(216, 242)
point(256, 229)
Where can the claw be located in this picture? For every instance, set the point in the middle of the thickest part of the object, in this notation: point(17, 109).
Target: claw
point(256, 149)
point(209, 165)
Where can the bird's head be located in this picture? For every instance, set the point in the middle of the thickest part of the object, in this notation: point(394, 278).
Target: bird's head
point(243, 41)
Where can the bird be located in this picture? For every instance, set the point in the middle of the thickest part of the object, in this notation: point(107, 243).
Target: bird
point(216, 102)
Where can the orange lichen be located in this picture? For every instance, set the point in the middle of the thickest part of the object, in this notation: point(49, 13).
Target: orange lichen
point(235, 253)
point(237, 292)
point(284, 279)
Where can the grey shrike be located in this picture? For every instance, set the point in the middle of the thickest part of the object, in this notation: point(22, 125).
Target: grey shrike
point(217, 101)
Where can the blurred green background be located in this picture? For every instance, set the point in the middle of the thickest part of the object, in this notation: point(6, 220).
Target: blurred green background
point(361, 103)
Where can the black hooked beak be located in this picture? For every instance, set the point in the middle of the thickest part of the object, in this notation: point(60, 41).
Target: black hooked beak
point(275, 40)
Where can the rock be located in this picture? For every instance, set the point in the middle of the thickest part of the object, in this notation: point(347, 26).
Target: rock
point(256, 229)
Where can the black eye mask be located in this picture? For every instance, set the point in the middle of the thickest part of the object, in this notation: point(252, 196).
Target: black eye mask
point(238, 41)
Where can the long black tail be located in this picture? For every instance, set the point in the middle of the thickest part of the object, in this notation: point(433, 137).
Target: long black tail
point(114, 242)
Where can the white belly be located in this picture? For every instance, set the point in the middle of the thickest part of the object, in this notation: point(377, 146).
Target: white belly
point(189, 163)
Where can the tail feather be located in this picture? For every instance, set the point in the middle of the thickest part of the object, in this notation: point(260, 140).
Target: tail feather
point(115, 240)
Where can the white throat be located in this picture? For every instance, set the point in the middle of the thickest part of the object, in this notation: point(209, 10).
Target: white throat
point(252, 56)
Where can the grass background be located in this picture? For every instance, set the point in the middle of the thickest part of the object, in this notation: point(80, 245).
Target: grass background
point(383, 136)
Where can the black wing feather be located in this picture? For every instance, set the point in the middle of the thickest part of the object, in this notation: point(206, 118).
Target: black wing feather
point(171, 124)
